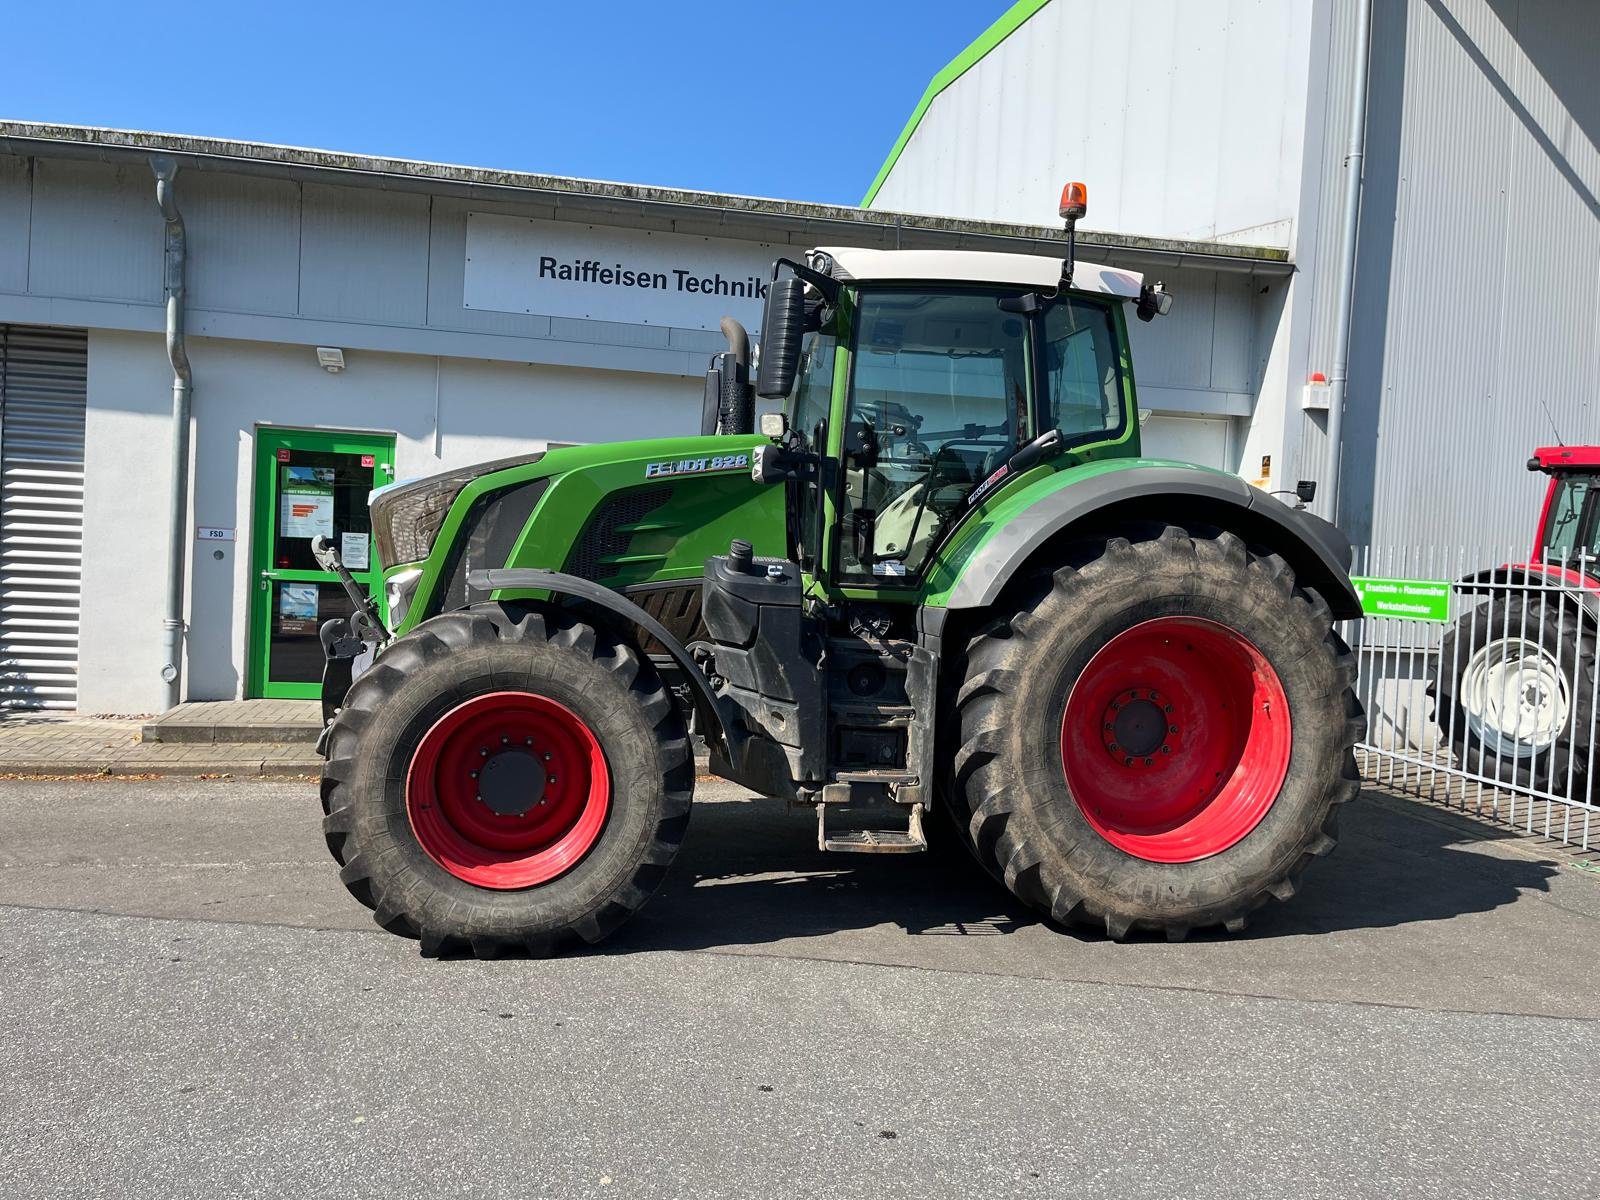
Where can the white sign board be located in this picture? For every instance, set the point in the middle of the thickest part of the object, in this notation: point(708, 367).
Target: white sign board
point(353, 551)
point(210, 533)
point(601, 273)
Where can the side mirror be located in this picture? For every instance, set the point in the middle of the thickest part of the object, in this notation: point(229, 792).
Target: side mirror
point(782, 329)
point(1154, 301)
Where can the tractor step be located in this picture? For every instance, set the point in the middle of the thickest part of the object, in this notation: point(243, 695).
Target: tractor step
point(873, 841)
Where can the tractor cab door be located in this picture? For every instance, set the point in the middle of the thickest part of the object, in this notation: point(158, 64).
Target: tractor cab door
point(939, 398)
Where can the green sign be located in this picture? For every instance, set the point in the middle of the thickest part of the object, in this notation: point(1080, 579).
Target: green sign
point(1412, 599)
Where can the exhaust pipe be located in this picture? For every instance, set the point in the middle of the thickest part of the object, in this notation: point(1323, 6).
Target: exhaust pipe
point(737, 402)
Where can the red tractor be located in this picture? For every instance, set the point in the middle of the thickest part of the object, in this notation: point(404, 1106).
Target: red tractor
point(1515, 689)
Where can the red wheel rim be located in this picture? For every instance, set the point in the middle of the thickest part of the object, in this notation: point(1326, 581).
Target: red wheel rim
point(508, 790)
point(1176, 739)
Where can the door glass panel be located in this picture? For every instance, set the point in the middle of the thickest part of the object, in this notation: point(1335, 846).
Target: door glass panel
point(309, 485)
point(941, 381)
point(320, 493)
point(1081, 368)
point(298, 611)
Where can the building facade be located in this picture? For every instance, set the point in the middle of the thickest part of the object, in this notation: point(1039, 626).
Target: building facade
point(353, 320)
point(1474, 334)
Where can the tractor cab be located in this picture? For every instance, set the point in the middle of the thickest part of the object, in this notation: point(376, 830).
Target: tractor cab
point(916, 382)
point(1569, 520)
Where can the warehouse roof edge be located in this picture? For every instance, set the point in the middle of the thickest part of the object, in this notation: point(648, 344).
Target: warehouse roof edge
point(743, 216)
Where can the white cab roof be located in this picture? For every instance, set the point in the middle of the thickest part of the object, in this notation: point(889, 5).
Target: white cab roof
point(1037, 272)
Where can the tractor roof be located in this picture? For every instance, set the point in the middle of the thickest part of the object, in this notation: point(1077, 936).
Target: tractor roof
point(1039, 272)
point(1565, 458)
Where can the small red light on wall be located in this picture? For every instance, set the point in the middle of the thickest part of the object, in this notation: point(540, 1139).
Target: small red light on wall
point(1074, 202)
point(1317, 377)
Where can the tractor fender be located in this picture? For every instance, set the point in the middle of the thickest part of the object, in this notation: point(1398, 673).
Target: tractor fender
point(1572, 586)
point(1317, 551)
point(530, 578)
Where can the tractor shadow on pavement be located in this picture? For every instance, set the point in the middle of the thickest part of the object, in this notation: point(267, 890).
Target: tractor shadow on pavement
point(750, 874)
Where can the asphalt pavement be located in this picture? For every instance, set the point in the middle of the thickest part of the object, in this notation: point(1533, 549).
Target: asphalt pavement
point(193, 1006)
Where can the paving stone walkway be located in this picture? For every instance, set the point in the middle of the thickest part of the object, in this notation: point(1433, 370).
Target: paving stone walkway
point(66, 744)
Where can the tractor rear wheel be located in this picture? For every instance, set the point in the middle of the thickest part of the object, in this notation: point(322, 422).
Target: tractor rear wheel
point(506, 778)
point(1514, 696)
point(1157, 736)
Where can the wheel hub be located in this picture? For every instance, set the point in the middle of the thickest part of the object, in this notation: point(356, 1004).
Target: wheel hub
point(1137, 727)
point(512, 782)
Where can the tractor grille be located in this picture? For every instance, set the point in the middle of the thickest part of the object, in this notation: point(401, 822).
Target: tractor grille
point(677, 607)
point(606, 536)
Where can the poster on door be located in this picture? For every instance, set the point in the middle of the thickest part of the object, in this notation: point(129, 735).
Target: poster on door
point(297, 608)
point(305, 505)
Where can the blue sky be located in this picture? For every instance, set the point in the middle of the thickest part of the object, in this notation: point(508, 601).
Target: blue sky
point(801, 101)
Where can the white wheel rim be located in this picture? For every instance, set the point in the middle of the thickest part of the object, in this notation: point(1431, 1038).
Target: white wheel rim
point(1515, 698)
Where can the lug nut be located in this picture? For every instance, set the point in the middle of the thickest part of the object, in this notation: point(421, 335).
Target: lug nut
point(547, 758)
point(484, 753)
point(472, 774)
point(1172, 729)
point(505, 741)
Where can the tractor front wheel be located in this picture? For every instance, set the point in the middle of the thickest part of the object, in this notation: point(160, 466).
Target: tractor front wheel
point(506, 778)
point(1156, 737)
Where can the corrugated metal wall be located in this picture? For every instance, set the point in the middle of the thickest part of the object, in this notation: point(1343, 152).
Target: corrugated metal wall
point(43, 386)
point(1477, 321)
point(1184, 116)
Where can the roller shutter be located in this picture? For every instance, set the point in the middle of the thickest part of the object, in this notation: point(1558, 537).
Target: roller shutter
point(43, 387)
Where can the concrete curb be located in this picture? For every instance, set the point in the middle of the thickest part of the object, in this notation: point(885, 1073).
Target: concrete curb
point(251, 768)
point(239, 768)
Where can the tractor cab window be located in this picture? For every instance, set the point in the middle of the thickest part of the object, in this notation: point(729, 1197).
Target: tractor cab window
point(1081, 368)
point(938, 401)
point(1572, 529)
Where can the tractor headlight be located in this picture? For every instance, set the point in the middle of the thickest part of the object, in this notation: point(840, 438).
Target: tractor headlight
point(406, 519)
point(399, 590)
point(406, 516)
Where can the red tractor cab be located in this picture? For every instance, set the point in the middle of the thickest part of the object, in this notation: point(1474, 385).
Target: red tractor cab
point(1567, 542)
point(1514, 689)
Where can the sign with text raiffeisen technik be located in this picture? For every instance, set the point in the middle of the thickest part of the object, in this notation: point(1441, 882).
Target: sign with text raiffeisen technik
point(633, 276)
point(1410, 599)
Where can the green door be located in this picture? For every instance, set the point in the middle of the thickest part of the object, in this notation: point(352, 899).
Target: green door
point(308, 483)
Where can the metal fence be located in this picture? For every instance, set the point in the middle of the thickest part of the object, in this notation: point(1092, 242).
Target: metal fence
point(1482, 695)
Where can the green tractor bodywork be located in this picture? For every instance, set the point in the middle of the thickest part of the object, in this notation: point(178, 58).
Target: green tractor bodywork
point(954, 481)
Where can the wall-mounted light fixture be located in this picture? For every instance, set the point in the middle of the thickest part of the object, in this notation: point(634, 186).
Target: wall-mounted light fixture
point(330, 359)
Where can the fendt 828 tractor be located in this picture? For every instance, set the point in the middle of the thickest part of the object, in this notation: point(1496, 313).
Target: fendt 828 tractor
point(941, 576)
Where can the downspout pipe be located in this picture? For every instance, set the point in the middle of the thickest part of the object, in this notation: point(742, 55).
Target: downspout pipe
point(1339, 372)
point(176, 261)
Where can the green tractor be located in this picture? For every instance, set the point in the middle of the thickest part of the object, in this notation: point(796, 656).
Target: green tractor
point(942, 577)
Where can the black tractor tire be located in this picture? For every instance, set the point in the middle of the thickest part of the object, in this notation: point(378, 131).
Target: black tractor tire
point(1500, 665)
point(1009, 781)
point(460, 673)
